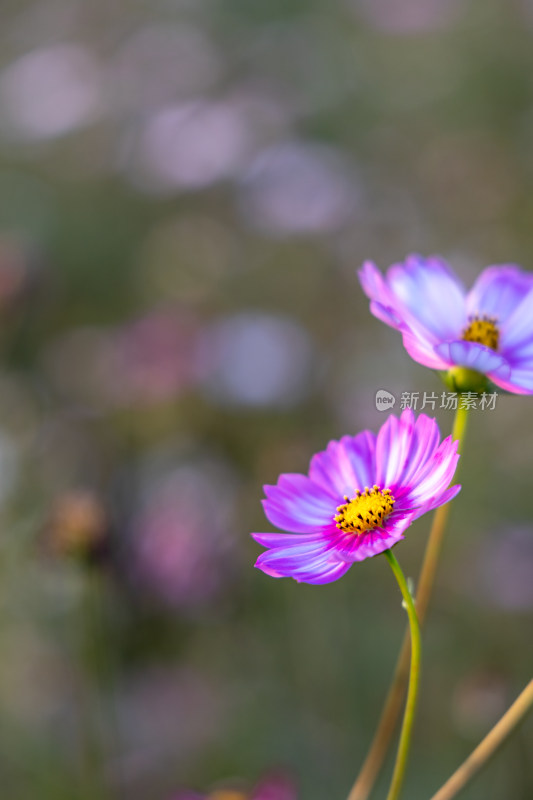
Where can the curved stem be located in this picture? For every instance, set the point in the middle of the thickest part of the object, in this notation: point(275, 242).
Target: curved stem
point(393, 703)
point(490, 744)
point(414, 679)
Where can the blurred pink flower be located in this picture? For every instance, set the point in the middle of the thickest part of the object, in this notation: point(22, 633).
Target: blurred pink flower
point(257, 359)
point(184, 551)
point(153, 358)
point(409, 17)
point(275, 787)
point(148, 361)
point(271, 787)
point(300, 188)
point(50, 92)
point(187, 146)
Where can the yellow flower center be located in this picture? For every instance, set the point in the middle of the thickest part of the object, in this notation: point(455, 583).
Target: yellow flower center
point(482, 330)
point(366, 511)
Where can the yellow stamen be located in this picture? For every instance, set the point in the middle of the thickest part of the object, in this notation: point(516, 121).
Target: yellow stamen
point(367, 510)
point(483, 330)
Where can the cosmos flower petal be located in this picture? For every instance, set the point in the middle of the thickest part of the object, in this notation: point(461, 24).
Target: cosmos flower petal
point(523, 379)
point(333, 572)
point(318, 567)
point(392, 447)
point(430, 292)
point(403, 446)
point(498, 291)
point(287, 539)
point(517, 330)
point(520, 381)
point(386, 314)
point(379, 293)
point(521, 355)
point(302, 554)
point(371, 543)
point(419, 340)
point(424, 442)
point(419, 296)
point(386, 306)
point(424, 352)
point(435, 477)
point(298, 557)
point(345, 466)
point(475, 356)
point(445, 454)
point(438, 500)
point(298, 504)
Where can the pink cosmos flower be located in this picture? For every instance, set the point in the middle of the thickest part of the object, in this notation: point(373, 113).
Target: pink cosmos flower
point(183, 550)
point(488, 330)
point(359, 497)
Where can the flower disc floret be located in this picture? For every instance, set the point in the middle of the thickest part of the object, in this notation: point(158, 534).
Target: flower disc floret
point(483, 330)
point(366, 511)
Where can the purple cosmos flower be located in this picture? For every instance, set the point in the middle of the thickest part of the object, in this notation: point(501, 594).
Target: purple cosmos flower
point(488, 330)
point(358, 499)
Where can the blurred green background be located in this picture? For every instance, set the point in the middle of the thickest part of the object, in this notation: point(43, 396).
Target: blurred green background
point(186, 190)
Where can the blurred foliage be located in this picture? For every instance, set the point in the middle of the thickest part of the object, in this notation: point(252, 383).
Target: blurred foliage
point(186, 190)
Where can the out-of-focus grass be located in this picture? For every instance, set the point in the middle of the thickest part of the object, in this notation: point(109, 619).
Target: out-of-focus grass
point(186, 191)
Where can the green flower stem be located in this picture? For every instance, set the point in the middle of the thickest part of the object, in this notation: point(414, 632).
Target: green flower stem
point(459, 425)
point(414, 679)
point(394, 701)
point(488, 747)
